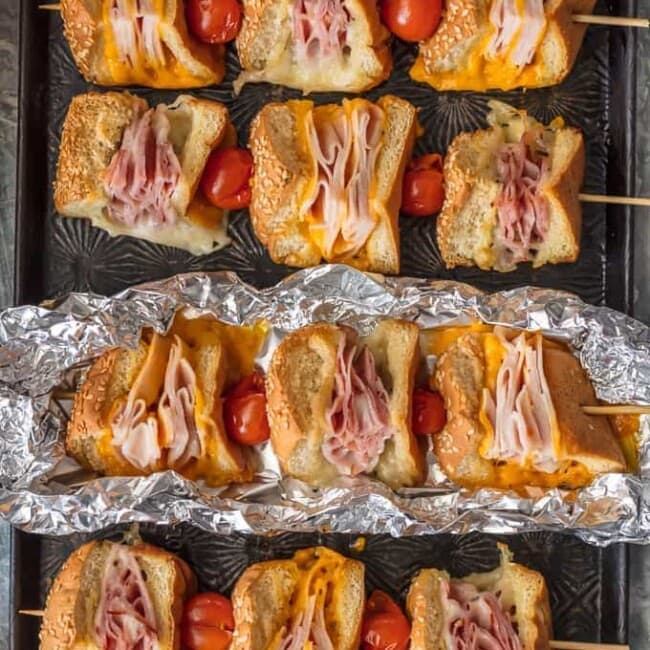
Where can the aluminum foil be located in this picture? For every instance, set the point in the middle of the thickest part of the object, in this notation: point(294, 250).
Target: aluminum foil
point(43, 349)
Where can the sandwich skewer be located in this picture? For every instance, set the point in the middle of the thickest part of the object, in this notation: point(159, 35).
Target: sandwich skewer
point(616, 200)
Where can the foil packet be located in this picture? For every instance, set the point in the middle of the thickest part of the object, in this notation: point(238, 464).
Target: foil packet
point(46, 349)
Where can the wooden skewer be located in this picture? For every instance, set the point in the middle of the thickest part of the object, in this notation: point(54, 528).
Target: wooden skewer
point(615, 21)
point(579, 645)
point(63, 394)
point(618, 200)
point(51, 7)
point(616, 409)
point(32, 612)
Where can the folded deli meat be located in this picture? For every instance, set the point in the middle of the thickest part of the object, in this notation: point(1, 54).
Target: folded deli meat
point(514, 412)
point(135, 170)
point(504, 609)
point(327, 181)
point(139, 42)
point(313, 45)
point(160, 406)
point(512, 193)
point(502, 407)
point(502, 44)
point(118, 597)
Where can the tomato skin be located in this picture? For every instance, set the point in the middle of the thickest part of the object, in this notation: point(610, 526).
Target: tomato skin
point(384, 625)
point(226, 178)
point(429, 414)
point(423, 190)
point(244, 411)
point(411, 20)
point(208, 622)
point(214, 21)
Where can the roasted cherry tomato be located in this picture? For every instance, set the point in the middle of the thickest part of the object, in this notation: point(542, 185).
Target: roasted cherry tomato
point(226, 179)
point(214, 21)
point(429, 415)
point(207, 623)
point(244, 411)
point(384, 625)
point(423, 193)
point(411, 20)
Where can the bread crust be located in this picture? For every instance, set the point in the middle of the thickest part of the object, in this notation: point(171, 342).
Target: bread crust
point(425, 605)
point(63, 626)
point(300, 382)
point(257, 14)
point(464, 183)
point(466, 23)
point(84, 29)
point(588, 440)
point(283, 168)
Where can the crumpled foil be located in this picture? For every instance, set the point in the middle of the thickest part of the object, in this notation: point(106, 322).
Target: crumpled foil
point(43, 491)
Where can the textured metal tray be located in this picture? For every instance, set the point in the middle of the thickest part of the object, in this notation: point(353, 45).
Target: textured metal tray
point(587, 585)
point(53, 255)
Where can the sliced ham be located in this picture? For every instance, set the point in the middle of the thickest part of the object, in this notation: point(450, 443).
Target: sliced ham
point(522, 209)
point(345, 149)
point(125, 618)
point(359, 415)
point(135, 433)
point(136, 30)
point(522, 414)
point(309, 627)
point(320, 29)
point(177, 408)
point(516, 35)
point(144, 173)
point(475, 620)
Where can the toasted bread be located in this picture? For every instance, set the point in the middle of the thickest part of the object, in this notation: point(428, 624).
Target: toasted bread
point(456, 56)
point(268, 50)
point(468, 224)
point(270, 596)
point(185, 62)
point(522, 594)
point(73, 600)
point(300, 385)
point(92, 135)
point(124, 376)
point(285, 170)
point(587, 445)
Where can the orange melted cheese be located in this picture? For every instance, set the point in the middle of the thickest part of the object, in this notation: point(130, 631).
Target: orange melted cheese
point(320, 571)
point(173, 74)
point(626, 428)
point(482, 72)
point(506, 474)
point(322, 115)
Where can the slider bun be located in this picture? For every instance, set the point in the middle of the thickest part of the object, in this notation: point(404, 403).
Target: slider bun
point(68, 621)
point(85, 31)
point(262, 601)
point(467, 224)
point(283, 169)
point(520, 587)
point(585, 439)
point(300, 383)
point(465, 27)
point(264, 43)
point(92, 134)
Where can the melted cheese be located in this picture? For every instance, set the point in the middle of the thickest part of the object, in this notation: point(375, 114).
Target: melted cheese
point(482, 73)
point(627, 428)
point(173, 74)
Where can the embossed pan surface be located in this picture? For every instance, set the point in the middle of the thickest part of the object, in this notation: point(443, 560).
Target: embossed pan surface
point(588, 585)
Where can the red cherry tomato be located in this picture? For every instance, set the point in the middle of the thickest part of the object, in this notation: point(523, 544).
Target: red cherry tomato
point(226, 178)
point(207, 622)
point(384, 625)
point(411, 20)
point(423, 193)
point(429, 415)
point(244, 411)
point(214, 21)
